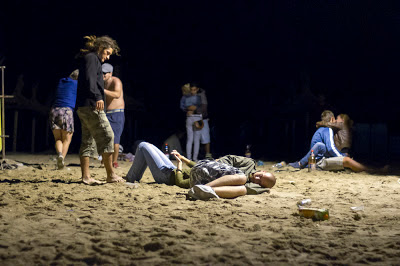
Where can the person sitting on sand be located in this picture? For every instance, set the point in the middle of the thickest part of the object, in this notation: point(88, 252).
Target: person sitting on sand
point(165, 172)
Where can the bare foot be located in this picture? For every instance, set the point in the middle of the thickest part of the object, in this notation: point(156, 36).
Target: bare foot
point(91, 181)
point(115, 179)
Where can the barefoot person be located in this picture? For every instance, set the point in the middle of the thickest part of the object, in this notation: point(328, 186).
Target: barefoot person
point(90, 103)
point(115, 106)
point(62, 115)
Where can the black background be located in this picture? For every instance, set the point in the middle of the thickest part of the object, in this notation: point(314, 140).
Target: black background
point(269, 67)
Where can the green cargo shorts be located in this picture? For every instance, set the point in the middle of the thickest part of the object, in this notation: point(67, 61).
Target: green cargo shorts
point(96, 130)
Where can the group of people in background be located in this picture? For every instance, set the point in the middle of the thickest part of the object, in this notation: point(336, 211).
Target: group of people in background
point(98, 97)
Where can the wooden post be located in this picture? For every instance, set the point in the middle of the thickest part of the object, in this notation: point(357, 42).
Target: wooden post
point(15, 133)
point(3, 122)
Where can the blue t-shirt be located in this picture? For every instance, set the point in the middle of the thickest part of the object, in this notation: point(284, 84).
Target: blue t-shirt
point(66, 93)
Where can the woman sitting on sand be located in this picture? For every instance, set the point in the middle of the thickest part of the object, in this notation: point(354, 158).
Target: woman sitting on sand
point(225, 178)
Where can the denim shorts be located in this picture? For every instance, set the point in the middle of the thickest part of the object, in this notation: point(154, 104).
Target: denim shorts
point(117, 121)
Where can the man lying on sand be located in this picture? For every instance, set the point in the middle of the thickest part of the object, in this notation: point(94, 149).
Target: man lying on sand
point(232, 173)
point(226, 178)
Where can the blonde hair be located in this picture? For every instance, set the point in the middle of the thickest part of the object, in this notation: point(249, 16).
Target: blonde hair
point(74, 74)
point(186, 89)
point(95, 44)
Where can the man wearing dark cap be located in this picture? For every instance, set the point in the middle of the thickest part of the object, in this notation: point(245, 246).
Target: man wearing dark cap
point(115, 106)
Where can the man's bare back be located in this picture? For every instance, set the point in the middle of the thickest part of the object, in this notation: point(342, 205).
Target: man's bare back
point(114, 93)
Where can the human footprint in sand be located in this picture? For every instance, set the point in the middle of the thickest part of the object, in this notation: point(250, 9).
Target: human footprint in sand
point(96, 128)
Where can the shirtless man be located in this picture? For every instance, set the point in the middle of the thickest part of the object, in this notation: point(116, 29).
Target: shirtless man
point(115, 106)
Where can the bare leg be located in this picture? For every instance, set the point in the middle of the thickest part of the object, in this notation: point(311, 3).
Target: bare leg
point(353, 165)
point(66, 141)
point(86, 173)
point(229, 192)
point(228, 180)
point(115, 154)
point(111, 176)
point(207, 148)
point(58, 139)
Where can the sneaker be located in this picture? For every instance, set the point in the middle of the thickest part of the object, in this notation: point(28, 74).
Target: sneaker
point(115, 165)
point(192, 194)
point(60, 162)
point(204, 192)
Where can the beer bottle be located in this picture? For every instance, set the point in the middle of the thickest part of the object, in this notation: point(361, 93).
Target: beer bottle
point(312, 164)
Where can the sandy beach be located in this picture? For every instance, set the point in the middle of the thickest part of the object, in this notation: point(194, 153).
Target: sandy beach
point(48, 217)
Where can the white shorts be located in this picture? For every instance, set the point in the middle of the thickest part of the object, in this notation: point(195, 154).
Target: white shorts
point(205, 133)
point(331, 164)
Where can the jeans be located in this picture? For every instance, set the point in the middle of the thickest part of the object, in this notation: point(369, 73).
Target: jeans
point(149, 155)
point(319, 149)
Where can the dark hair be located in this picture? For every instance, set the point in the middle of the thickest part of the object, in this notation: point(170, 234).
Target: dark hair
point(347, 121)
point(94, 44)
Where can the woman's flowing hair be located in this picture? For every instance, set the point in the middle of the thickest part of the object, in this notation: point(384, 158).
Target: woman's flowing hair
point(347, 121)
point(95, 44)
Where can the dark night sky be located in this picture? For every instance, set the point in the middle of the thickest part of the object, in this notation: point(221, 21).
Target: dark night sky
point(254, 58)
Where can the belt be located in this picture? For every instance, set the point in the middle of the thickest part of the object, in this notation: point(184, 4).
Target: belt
point(115, 111)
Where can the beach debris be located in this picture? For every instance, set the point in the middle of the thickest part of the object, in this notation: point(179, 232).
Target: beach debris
point(314, 213)
point(7, 164)
point(260, 163)
point(357, 208)
point(132, 185)
point(279, 165)
point(292, 182)
point(129, 157)
point(304, 202)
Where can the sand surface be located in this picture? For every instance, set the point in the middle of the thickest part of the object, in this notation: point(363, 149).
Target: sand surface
point(49, 217)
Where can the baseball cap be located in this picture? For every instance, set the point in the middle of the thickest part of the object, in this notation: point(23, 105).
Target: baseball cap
point(107, 68)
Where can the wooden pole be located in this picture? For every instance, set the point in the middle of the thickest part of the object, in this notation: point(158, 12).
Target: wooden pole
point(3, 123)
